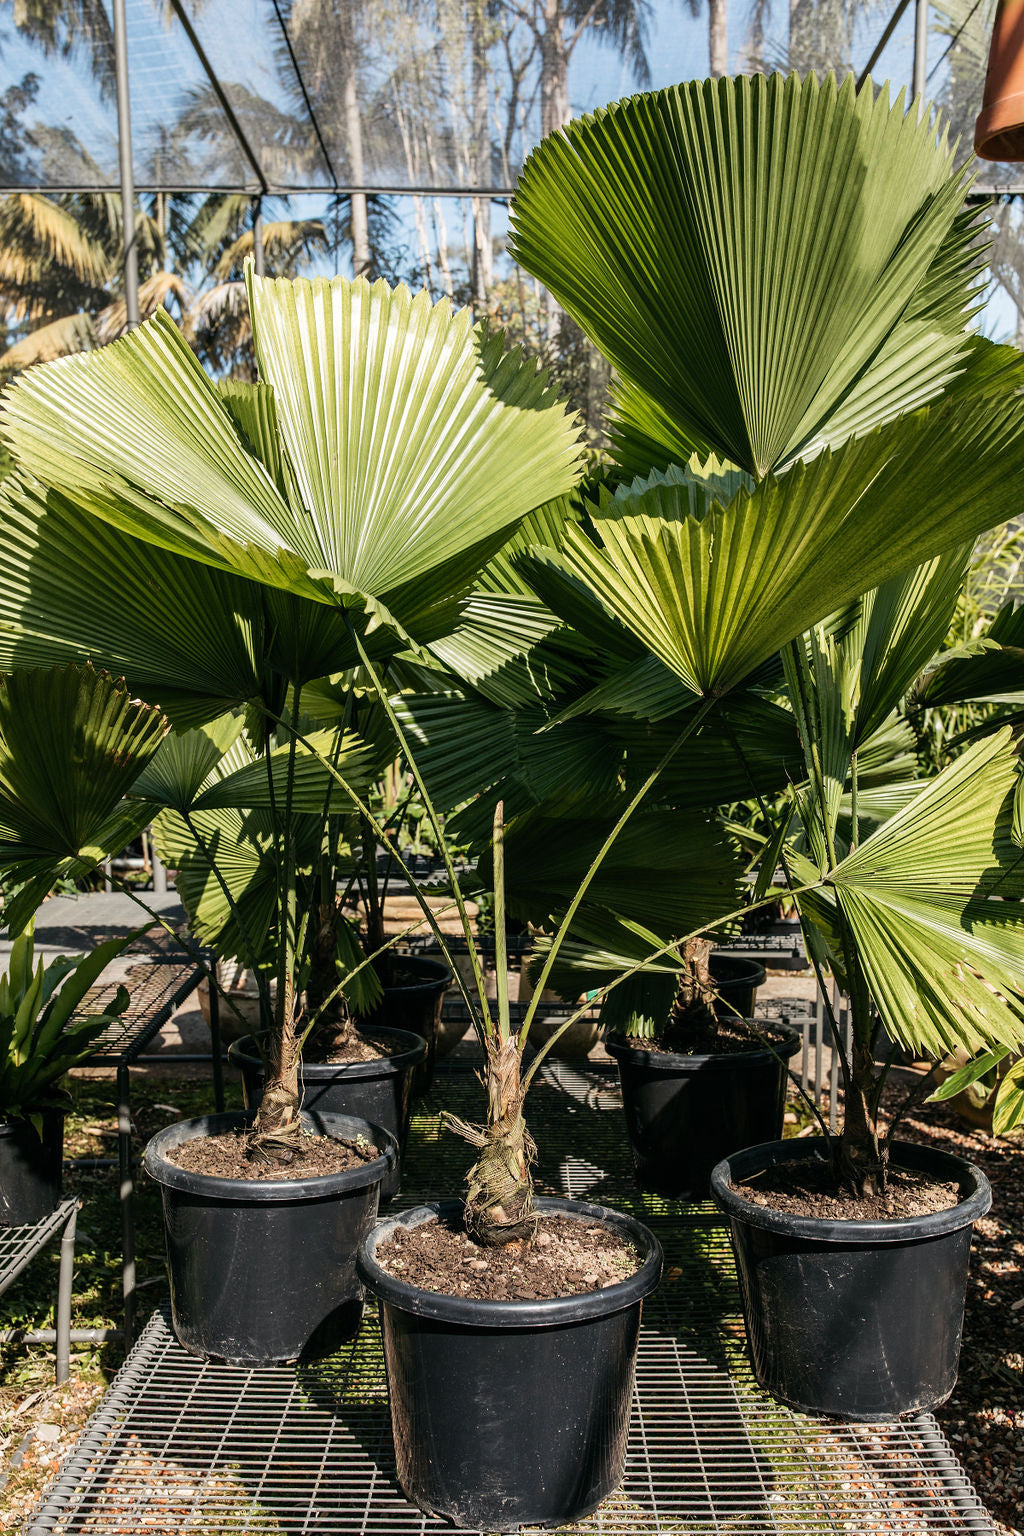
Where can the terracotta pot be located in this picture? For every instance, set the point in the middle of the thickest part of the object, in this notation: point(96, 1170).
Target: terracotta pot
point(999, 131)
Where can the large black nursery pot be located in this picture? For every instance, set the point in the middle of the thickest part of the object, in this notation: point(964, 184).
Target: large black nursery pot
point(379, 1091)
point(856, 1319)
point(685, 1113)
point(414, 1004)
point(30, 1169)
point(510, 1413)
point(265, 1270)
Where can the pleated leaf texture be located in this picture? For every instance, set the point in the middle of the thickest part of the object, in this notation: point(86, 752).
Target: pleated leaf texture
point(72, 742)
point(713, 581)
point(772, 263)
point(932, 902)
point(387, 453)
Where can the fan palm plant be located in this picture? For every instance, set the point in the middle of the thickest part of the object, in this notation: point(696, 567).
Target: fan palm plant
point(789, 406)
point(339, 509)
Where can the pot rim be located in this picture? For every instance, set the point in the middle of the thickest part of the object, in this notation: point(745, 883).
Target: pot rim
point(757, 973)
point(554, 1312)
point(439, 975)
point(243, 1053)
point(976, 1196)
point(670, 1061)
point(268, 1191)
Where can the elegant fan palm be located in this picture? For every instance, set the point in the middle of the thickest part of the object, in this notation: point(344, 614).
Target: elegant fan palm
point(338, 510)
point(824, 361)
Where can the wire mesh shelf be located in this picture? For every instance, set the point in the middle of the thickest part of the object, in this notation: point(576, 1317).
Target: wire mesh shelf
point(182, 1445)
point(19, 1245)
point(157, 986)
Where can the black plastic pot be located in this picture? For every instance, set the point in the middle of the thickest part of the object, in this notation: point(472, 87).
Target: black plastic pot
point(262, 1271)
point(379, 1091)
point(855, 1319)
point(414, 1004)
point(509, 1413)
point(737, 978)
point(685, 1113)
point(30, 1169)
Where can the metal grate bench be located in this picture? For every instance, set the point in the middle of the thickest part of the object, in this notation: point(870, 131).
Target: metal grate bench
point(181, 1445)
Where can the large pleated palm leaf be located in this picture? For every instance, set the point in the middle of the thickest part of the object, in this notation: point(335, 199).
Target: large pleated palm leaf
point(388, 451)
point(932, 900)
point(713, 581)
point(771, 263)
point(72, 743)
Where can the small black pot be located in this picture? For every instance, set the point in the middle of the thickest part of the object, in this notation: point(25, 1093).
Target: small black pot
point(685, 1113)
point(414, 1004)
point(30, 1169)
point(509, 1413)
point(379, 1091)
point(265, 1270)
point(856, 1319)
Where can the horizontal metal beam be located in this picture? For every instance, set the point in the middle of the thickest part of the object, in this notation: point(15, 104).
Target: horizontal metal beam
point(275, 189)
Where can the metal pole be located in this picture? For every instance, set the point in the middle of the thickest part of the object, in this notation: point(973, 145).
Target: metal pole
point(920, 77)
point(124, 144)
point(257, 239)
point(62, 1337)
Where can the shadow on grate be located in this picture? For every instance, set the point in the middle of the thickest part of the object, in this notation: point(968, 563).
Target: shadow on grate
point(182, 1446)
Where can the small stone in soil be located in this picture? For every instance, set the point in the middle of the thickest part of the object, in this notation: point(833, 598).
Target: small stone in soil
point(573, 1258)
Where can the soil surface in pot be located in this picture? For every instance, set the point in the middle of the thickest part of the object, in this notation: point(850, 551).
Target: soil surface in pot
point(224, 1157)
point(721, 1039)
point(808, 1190)
point(361, 1048)
point(565, 1258)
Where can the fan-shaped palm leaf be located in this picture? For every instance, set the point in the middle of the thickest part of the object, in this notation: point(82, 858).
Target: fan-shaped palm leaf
point(414, 444)
point(932, 902)
point(770, 263)
point(715, 590)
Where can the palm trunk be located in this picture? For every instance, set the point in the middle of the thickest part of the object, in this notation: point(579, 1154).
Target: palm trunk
point(694, 1004)
point(359, 223)
point(554, 114)
point(499, 1203)
point(275, 1134)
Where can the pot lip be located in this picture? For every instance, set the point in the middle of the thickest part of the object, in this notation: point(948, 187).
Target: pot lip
point(670, 1061)
point(267, 1191)
point(554, 1312)
point(757, 975)
point(437, 973)
point(244, 1052)
point(976, 1196)
point(50, 1114)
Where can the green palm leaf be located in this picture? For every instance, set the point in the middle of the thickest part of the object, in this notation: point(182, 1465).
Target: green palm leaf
point(414, 445)
point(72, 743)
point(932, 902)
point(769, 263)
point(714, 590)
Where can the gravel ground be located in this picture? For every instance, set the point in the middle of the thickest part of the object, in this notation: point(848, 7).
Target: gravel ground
point(984, 1419)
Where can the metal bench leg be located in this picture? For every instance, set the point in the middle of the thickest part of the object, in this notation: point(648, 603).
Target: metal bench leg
point(127, 1194)
point(215, 1043)
point(67, 1266)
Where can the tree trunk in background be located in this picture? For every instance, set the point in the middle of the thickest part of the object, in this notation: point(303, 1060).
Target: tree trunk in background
point(555, 112)
point(481, 151)
point(359, 225)
point(718, 38)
